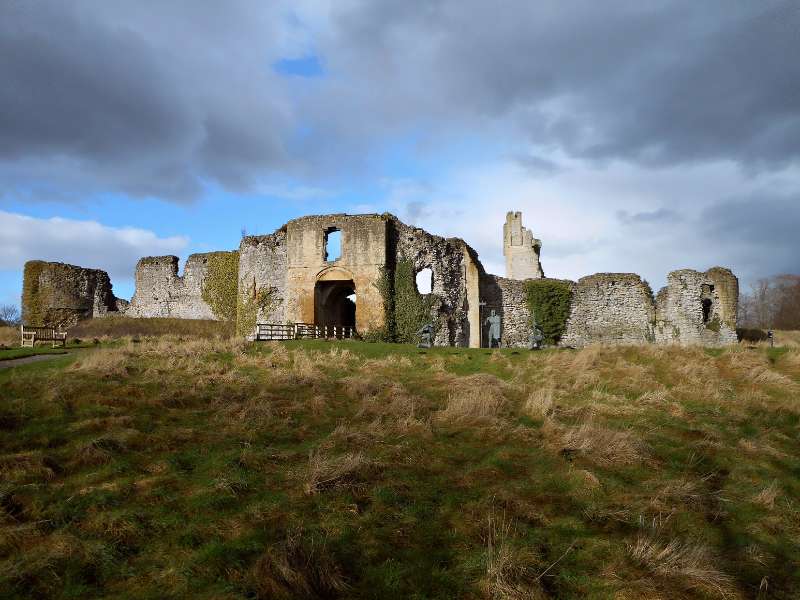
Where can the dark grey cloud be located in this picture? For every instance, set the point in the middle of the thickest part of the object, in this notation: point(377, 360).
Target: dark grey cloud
point(761, 233)
point(157, 98)
point(660, 216)
point(657, 83)
point(147, 99)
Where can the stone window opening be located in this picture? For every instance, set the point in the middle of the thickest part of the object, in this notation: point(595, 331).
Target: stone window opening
point(424, 281)
point(333, 244)
point(707, 305)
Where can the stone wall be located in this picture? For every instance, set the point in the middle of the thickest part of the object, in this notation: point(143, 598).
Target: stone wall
point(161, 292)
point(698, 308)
point(521, 249)
point(59, 295)
point(508, 298)
point(262, 280)
point(610, 308)
point(450, 260)
point(363, 256)
point(288, 276)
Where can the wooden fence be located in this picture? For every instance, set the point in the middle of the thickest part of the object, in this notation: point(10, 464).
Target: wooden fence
point(302, 331)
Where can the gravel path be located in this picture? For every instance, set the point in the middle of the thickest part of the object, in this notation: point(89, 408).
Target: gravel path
point(5, 364)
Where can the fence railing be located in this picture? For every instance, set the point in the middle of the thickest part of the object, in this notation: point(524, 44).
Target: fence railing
point(300, 331)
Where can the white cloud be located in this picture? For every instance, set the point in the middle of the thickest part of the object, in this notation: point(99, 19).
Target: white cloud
point(84, 243)
point(619, 218)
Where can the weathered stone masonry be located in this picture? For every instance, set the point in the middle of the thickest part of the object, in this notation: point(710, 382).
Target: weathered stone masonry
point(289, 276)
point(161, 292)
point(59, 295)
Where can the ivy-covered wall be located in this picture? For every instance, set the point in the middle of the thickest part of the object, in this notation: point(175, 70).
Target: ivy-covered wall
point(220, 285)
point(549, 302)
point(32, 298)
point(251, 304)
point(59, 295)
point(406, 309)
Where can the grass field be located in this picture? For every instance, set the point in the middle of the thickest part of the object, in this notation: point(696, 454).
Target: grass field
point(218, 469)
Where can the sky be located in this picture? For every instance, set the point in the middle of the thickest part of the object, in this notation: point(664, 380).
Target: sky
point(634, 136)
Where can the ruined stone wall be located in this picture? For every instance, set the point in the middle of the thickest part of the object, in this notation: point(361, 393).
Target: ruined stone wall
point(610, 308)
point(363, 256)
point(59, 295)
point(681, 317)
point(161, 292)
point(454, 281)
point(521, 249)
point(509, 299)
point(262, 280)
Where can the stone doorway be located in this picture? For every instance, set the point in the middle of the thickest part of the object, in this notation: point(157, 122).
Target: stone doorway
point(335, 303)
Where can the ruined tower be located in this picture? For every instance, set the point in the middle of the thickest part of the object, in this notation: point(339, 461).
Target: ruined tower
point(521, 249)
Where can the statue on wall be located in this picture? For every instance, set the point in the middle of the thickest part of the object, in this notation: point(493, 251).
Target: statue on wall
point(425, 334)
point(493, 320)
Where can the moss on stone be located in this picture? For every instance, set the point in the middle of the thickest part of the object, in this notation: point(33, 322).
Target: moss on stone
point(549, 302)
point(32, 301)
point(220, 286)
point(250, 304)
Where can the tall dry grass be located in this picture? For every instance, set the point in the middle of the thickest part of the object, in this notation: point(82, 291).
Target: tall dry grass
point(9, 336)
point(681, 565)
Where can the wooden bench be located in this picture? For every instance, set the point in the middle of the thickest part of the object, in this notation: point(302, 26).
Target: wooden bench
point(31, 335)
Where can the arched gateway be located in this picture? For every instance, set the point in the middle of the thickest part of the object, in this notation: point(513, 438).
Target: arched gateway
point(335, 298)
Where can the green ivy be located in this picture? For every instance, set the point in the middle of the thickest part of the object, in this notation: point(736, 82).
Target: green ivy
point(411, 309)
point(264, 300)
point(221, 284)
point(405, 309)
point(549, 302)
point(32, 301)
point(385, 286)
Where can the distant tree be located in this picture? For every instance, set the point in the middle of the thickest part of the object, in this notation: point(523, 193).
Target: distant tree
point(772, 303)
point(9, 315)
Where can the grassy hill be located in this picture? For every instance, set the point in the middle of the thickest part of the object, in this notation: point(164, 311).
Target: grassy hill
point(218, 469)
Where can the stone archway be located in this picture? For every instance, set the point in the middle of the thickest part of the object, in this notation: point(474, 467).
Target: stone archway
point(335, 299)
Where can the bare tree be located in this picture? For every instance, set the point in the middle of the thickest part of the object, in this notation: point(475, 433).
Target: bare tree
point(9, 315)
point(772, 303)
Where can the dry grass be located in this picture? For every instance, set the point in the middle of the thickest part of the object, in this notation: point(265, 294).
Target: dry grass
point(510, 573)
point(9, 336)
point(768, 495)
point(114, 327)
point(326, 472)
point(539, 403)
point(601, 445)
point(472, 407)
point(787, 338)
point(681, 565)
point(184, 463)
point(299, 567)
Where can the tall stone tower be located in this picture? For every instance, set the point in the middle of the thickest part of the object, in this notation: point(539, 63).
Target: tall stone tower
point(521, 249)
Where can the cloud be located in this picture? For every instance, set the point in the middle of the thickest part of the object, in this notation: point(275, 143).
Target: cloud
point(84, 243)
point(161, 99)
point(653, 83)
point(660, 216)
point(625, 220)
point(137, 99)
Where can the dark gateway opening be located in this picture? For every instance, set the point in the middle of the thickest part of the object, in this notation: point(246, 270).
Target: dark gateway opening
point(334, 303)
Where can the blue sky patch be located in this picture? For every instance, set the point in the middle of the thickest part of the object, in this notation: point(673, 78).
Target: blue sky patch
point(306, 66)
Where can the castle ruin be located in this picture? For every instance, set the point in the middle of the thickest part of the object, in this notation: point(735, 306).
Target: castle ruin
point(291, 275)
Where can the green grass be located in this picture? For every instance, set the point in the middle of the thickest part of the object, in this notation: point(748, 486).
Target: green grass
point(217, 469)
